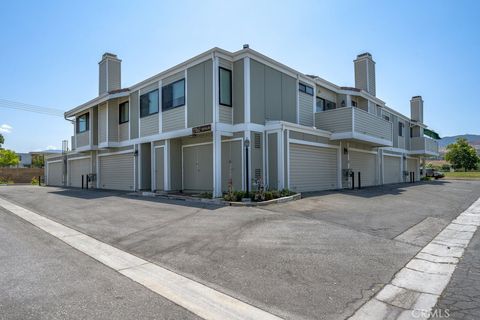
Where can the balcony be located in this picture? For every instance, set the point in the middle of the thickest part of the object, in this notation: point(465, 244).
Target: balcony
point(352, 123)
point(423, 146)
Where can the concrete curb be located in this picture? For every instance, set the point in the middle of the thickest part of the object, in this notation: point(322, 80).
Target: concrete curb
point(415, 289)
point(219, 201)
point(296, 196)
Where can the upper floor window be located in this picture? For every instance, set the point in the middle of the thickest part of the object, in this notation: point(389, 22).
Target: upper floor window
point(305, 89)
point(329, 105)
point(320, 105)
point(83, 123)
point(173, 95)
point(123, 112)
point(149, 103)
point(225, 87)
point(324, 104)
point(354, 103)
point(400, 129)
point(386, 117)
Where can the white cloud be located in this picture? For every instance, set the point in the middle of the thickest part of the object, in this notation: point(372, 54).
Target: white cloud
point(51, 148)
point(5, 128)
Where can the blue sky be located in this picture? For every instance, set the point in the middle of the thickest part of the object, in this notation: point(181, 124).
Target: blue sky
point(50, 51)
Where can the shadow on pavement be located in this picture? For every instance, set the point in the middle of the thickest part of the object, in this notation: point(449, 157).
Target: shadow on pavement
point(92, 194)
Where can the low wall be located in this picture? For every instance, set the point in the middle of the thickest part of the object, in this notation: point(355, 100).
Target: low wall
point(21, 175)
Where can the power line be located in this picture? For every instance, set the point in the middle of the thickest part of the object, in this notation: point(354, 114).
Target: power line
point(30, 108)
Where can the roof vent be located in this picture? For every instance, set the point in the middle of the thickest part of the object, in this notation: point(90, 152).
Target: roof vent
point(246, 46)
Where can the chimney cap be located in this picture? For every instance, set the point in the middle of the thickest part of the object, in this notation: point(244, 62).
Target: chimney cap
point(365, 54)
point(417, 97)
point(246, 46)
point(109, 55)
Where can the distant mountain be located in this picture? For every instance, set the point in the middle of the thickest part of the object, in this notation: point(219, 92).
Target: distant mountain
point(473, 139)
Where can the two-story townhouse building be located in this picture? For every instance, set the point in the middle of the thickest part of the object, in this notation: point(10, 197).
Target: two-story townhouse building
point(190, 128)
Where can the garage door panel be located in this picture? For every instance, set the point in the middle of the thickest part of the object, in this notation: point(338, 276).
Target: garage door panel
point(198, 167)
point(365, 163)
point(77, 168)
point(312, 168)
point(116, 172)
point(55, 173)
point(392, 169)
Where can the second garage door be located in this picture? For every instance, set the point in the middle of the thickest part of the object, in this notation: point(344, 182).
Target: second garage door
point(365, 163)
point(55, 173)
point(391, 169)
point(198, 167)
point(116, 171)
point(312, 168)
point(76, 169)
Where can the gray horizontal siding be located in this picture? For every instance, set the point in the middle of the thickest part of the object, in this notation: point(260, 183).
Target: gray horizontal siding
point(149, 125)
point(225, 114)
point(173, 119)
point(372, 125)
point(102, 123)
point(305, 109)
point(337, 120)
point(83, 139)
point(123, 131)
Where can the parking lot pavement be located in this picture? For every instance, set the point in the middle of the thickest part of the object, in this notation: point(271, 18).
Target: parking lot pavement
point(320, 257)
point(43, 278)
point(390, 210)
point(462, 296)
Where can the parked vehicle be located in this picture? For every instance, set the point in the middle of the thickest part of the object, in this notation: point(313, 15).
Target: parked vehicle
point(429, 172)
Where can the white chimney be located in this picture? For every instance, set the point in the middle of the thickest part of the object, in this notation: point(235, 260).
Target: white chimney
point(109, 73)
point(365, 73)
point(416, 109)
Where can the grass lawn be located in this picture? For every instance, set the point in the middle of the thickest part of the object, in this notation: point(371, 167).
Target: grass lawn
point(463, 175)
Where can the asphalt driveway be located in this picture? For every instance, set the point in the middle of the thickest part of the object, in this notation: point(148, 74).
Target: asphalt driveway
point(320, 257)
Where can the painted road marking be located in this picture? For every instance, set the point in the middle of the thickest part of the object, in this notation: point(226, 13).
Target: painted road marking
point(415, 289)
point(191, 295)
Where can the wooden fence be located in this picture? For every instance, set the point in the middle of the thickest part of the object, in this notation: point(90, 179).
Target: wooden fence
point(21, 175)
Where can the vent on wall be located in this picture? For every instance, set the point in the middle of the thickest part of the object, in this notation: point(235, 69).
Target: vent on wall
point(258, 174)
point(257, 140)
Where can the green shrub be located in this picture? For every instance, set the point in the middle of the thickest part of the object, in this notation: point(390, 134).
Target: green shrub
point(426, 178)
point(206, 195)
point(34, 181)
point(6, 180)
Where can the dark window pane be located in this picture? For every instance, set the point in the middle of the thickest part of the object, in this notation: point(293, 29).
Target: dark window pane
point(83, 123)
point(173, 95)
point(309, 90)
point(320, 106)
point(225, 91)
point(149, 103)
point(124, 112)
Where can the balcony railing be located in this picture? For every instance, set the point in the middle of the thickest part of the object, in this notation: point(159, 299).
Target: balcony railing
point(351, 123)
point(424, 146)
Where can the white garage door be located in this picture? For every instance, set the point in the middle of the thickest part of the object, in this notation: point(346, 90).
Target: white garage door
point(77, 168)
point(55, 173)
point(391, 169)
point(312, 168)
point(116, 171)
point(365, 163)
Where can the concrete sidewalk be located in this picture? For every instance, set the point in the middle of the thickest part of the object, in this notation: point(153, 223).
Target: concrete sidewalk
point(318, 258)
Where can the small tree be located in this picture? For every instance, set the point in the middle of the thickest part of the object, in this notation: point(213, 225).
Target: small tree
point(38, 161)
point(8, 158)
point(462, 155)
